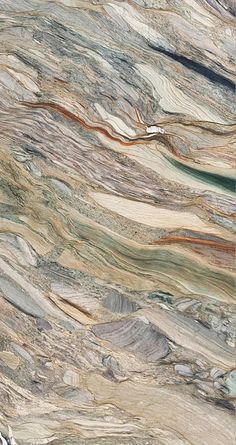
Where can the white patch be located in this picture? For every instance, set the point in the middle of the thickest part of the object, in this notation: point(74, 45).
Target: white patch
point(143, 318)
point(3, 441)
point(154, 129)
point(11, 438)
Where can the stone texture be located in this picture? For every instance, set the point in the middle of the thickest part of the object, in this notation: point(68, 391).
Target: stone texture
point(117, 222)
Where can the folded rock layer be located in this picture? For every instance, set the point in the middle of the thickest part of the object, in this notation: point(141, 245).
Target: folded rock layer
point(117, 222)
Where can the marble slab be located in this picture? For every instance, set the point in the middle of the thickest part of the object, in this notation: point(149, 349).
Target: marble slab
point(117, 222)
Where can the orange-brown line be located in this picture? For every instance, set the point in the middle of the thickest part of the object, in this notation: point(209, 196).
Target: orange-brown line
point(68, 114)
point(210, 243)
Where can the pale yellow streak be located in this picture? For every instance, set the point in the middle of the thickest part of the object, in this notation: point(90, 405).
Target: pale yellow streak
point(153, 216)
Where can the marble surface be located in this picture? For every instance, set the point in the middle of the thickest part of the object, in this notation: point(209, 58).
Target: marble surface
point(117, 223)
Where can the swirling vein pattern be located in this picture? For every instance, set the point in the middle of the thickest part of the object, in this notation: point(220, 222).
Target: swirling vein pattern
point(117, 222)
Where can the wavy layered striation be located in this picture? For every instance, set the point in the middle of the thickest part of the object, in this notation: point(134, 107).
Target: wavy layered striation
point(117, 223)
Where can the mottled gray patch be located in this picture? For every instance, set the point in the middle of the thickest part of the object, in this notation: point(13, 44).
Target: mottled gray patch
point(231, 382)
point(22, 352)
point(61, 186)
point(19, 298)
point(43, 325)
point(135, 336)
point(119, 303)
point(183, 370)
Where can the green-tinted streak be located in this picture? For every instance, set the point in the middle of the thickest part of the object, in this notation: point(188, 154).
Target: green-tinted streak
point(209, 178)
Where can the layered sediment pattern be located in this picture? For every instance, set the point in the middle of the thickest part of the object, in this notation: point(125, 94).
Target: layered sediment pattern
point(117, 224)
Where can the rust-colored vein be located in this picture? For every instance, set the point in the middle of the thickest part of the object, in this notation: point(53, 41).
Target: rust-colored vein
point(69, 115)
point(219, 245)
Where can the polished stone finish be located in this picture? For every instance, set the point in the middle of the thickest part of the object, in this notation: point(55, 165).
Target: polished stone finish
point(117, 223)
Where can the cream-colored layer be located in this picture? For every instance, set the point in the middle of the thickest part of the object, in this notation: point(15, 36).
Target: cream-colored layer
point(153, 216)
point(135, 22)
point(151, 157)
point(117, 123)
point(195, 422)
point(172, 99)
